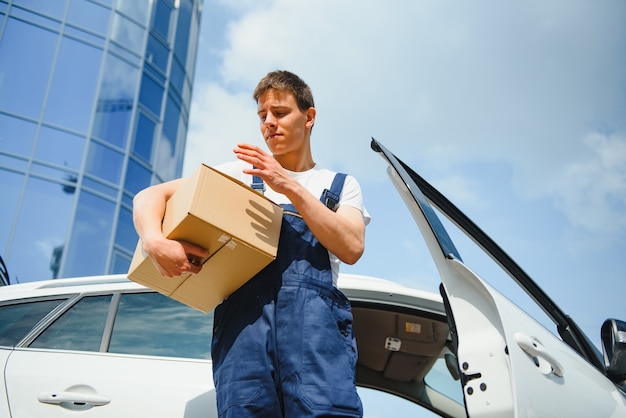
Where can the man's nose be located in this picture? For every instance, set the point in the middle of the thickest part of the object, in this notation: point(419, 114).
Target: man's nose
point(270, 120)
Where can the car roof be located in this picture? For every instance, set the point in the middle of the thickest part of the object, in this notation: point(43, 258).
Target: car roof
point(356, 287)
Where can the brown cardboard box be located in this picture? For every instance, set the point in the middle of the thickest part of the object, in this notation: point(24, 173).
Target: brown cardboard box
point(238, 226)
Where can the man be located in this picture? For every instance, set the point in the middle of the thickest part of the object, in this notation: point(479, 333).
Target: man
point(283, 343)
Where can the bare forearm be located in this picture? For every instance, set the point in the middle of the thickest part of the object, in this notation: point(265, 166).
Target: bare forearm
point(342, 232)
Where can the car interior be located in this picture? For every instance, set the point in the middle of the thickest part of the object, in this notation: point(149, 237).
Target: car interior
point(396, 351)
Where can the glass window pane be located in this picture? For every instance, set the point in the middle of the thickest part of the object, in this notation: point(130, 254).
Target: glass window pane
point(11, 188)
point(137, 9)
point(18, 319)
point(120, 264)
point(16, 135)
point(100, 187)
point(27, 54)
point(104, 162)
point(128, 33)
point(125, 236)
point(42, 226)
point(181, 44)
point(177, 78)
point(137, 177)
point(153, 324)
point(89, 15)
point(170, 122)
point(54, 8)
point(60, 148)
point(36, 19)
point(144, 137)
point(162, 19)
point(151, 95)
point(115, 101)
point(91, 232)
point(157, 53)
point(80, 328)
point(70, 101)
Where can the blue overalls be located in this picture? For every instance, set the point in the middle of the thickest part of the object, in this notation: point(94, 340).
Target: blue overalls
point(283, 344)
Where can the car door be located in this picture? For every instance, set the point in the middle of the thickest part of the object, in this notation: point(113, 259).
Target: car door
point(509, 363)
point(115, 355)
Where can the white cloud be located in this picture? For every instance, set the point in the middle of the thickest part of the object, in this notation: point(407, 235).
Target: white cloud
point(218, 121)
point(433, 80)
point(592, 192)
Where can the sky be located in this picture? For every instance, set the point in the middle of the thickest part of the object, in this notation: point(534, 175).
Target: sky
point(516, 111)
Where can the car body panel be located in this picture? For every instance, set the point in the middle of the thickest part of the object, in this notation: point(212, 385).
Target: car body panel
point(160, 386)
point(155, 387)
point(511, 364)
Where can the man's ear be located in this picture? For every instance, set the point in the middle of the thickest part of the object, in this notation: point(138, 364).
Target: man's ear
point(310, 117)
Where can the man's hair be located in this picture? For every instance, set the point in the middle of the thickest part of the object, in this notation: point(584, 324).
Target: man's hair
point(284, 81)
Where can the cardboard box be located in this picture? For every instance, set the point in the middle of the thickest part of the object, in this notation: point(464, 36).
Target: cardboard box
point(238, 226)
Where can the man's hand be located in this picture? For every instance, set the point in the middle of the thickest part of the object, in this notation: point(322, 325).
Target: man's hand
point(173, 258)
point(266, 167)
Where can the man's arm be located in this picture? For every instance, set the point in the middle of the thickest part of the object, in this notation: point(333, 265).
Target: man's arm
point(341, 232)
point(170, 257)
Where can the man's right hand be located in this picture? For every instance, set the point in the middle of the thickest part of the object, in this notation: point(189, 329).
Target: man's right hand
point(173, 258)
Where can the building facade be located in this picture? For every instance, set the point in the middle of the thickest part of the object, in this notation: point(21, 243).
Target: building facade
point(94, 104)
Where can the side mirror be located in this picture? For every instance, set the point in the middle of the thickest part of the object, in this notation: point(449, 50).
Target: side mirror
point(613, 336)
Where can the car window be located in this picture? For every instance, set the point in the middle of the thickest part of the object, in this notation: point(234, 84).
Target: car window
point(153, 324)
point(80, 328)
point(18, 319)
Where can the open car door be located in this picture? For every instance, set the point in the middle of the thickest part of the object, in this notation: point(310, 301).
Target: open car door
point(510, 365)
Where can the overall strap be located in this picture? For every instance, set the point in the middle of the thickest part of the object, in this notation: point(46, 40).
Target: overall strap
point(258, 184)
point(330, 197)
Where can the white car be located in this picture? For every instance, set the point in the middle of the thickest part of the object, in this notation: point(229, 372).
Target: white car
point(108, 347)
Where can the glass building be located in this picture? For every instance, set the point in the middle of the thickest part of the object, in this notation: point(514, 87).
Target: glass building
point(94, 104)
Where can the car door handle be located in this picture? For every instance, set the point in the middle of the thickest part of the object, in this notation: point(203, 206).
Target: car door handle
point(534, 348)
point(75, 398)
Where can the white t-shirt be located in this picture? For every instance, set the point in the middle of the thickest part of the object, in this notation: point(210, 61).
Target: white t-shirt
point(315, 181)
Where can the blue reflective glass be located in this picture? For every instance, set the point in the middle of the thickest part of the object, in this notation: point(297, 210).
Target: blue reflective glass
point(144, 137)
point(16, 135)
point(84, 36)
point(11, 188)
point(125, 235)
point(139, 328)
point(115, 101)
point(61, 148)
point(128, 34)
point(151, 94)
point(80, 328)
point(104, 162)
point(136, 9)
point(71, 96)
point(89, 243)
point(181, 44)
point(89, 15)
point(11, 163)
point(157, 53)
point(177, 77)
point(36, 19)
point(62, 176)
point(55, 8)
point(137, 177)
point(120, 263)
point(41, 230)
point(170, 124)
point(94, 185)
point(162, 19)
point(26, 54)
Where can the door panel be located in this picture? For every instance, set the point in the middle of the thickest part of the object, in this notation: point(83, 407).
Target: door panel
point(44, 383)
point(513, 366)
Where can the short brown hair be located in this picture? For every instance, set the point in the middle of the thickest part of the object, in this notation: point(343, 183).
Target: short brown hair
point(286, 81)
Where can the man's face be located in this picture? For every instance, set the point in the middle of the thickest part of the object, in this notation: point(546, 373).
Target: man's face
point(284, 127)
